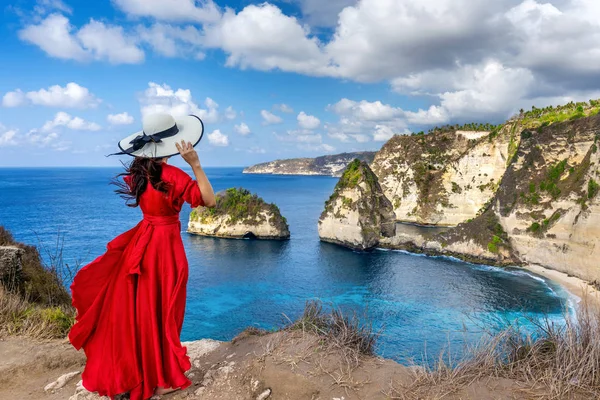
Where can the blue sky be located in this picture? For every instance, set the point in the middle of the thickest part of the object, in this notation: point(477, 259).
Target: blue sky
point(280, 79)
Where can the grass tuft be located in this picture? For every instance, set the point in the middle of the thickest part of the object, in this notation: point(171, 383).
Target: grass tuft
point(556, 361)
point(336, 329)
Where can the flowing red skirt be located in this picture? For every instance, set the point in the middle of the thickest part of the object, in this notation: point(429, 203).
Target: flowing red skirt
point(130, 305)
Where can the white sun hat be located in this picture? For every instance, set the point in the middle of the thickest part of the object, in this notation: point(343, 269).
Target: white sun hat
point(159, 135)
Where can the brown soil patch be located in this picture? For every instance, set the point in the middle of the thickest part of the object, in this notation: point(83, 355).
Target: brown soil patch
point(293, 365)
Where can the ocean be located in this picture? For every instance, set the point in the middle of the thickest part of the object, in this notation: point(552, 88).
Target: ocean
point(420, 305)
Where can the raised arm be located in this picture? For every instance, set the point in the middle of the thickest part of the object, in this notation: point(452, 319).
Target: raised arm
point(188, 153)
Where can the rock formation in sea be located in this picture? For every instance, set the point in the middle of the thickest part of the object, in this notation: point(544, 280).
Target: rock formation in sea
point(526, 192)
point(330, 165)
point(357, 214)
point(239, 214)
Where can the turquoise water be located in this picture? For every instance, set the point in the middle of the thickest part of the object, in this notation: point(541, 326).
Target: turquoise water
point(419, 303)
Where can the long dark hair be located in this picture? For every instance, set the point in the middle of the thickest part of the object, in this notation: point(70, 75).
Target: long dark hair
point(141, 171)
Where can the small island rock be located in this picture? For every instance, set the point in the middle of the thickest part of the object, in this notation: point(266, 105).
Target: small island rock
point(239, 214)
point(357, 214)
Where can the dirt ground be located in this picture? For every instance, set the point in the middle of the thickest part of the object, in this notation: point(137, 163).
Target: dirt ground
point(277, 366)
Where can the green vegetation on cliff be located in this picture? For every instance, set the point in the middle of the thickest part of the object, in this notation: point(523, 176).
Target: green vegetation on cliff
point(355, 173)
point(537, 117)
point(239, 205)
point(470, 127)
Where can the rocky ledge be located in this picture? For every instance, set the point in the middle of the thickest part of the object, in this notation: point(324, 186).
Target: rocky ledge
point(239, 214)
point(330, 165)
point(357, 214)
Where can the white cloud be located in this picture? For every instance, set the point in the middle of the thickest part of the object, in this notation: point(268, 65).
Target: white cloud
point(434, 115)
point(14, 99)
point(53, 35)
point(172, 10)
point(365, 110)
point(363, 121)
point(45, 140)
point(320, 148)
point(70, 96)
point(45, 6)
point(383, 133)
point(120, 119)
point(242, 129)
point(95, 40)
point(270, 118)
point(523, 41)
point(173, 41)
point(481, 91)
point(75, 123)
point(8, 138)
point(230, 113)
point(256, 150)
point(458, 51)
point(308, 121)
point(262, 37)
point(299, 137)
point(216, 138)
point(284, 108)
point(162, 99)
point(109, 43)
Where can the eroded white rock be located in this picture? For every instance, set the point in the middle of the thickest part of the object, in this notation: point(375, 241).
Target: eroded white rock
point(60, 382)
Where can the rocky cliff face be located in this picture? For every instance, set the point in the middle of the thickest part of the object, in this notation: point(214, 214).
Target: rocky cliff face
point(548, 199)
point(11, 266)
point(331, 165)
point(357, 214)
point(445, 177)
point(239, 214)
point(546, 209)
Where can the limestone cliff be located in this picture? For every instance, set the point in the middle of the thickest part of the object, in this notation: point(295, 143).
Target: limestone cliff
point(331, 165)
point(444, 177)
point(239, 214)
point(548, 199)
point(357, 214)
point(546, 208)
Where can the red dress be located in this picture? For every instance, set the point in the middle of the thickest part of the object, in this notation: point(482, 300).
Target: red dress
point(130, 301)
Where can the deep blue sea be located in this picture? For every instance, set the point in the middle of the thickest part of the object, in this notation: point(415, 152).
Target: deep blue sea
point(420, 304)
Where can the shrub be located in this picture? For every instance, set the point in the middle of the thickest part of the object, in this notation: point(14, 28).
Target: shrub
point(535, 227)
point(492, 247)
point(592, 188)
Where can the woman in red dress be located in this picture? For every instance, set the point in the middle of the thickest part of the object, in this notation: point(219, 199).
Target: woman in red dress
point(131, 301)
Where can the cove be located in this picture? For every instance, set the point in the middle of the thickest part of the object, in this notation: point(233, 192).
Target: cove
point(419, 303)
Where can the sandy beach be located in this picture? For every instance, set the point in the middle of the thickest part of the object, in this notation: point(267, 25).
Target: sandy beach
point(578, 287)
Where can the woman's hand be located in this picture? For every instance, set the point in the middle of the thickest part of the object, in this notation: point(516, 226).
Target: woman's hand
point(188, 153)
point(191, 157)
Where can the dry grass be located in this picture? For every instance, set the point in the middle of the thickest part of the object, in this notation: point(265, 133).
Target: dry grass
point(556, 361)
point(20, 317)
point(336, 329)
point(36, 303)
